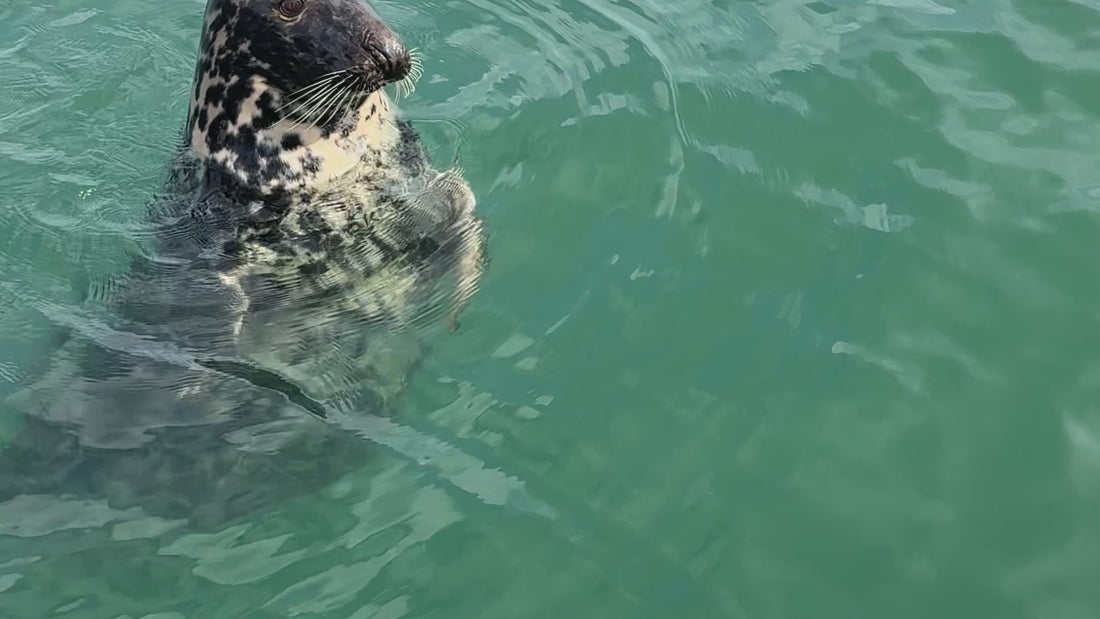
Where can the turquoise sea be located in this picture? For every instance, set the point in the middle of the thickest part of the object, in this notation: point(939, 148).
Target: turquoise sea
point(790, 314)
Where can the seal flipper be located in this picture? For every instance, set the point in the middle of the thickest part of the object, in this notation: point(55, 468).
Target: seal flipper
point(468, 244)
point(448, 206)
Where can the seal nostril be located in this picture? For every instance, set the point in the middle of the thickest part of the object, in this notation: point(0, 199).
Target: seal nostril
point(398, 58)
point(394, 59)
point(390, 54)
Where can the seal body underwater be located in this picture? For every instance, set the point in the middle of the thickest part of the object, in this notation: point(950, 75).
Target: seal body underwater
point(302, 241)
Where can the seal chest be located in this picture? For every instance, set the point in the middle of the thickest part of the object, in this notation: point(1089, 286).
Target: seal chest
point(302, 236)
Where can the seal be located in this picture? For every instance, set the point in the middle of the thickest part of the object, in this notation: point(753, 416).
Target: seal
point(301, 242)
point(289, 117)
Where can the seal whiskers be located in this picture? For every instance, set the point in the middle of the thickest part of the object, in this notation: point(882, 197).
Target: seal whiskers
point(406, 86)
point(306, 96)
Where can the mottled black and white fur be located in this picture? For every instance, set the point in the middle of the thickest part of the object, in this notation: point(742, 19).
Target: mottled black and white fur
point(301, 237)
point(348, 179)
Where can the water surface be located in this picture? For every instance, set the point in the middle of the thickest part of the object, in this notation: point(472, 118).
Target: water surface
point(789, 314)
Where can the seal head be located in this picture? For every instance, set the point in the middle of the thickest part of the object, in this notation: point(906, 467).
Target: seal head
point(281, 87)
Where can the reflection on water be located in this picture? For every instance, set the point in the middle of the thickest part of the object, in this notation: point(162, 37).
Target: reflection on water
point(785, 317)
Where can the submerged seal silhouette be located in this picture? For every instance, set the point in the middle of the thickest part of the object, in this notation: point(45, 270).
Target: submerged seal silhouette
point(300, 237)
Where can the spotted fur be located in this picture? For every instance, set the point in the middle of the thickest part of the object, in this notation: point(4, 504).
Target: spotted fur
point(338, 199)
point(348, 204)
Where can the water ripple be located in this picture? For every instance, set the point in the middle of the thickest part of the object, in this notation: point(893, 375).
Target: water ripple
point(787, 315)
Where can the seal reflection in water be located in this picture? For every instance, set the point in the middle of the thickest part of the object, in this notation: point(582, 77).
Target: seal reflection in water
point(302, 238)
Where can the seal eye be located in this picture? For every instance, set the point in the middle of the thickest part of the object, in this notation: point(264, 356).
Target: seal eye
point(289, 9)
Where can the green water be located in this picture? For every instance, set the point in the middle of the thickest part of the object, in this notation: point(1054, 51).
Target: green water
point(790, 315)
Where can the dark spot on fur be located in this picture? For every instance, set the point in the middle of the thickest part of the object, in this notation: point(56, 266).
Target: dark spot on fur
point(267, 107)
point(215, 94)
point(218, 127)
point(292, 141)
point(235, 95)
point(221, 20)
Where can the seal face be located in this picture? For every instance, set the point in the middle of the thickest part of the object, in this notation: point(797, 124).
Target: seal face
point(281, 92)
point(301, 234)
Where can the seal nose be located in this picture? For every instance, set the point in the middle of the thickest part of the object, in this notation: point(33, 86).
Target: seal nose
point(390, 55)
point(397, 60)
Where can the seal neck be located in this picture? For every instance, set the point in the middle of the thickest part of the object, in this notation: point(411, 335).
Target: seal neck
point(270, 155)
